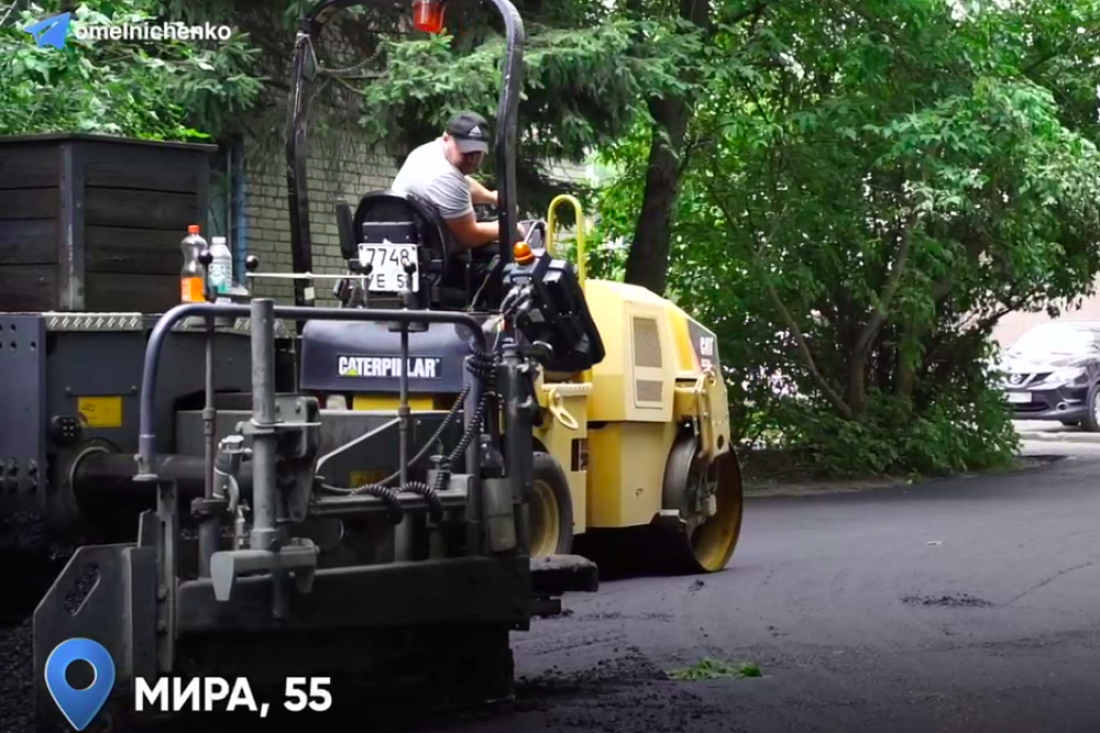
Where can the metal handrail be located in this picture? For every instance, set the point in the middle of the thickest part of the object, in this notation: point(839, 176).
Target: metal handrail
point(551, 220)
point(147, 437)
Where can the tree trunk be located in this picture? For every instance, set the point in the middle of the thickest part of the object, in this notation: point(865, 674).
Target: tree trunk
point(857, 382)
point(861, 351)
point(647, 262)
point(905, 375)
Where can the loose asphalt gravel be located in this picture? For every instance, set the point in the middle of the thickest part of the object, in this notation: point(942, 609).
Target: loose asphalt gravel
point(958, 605)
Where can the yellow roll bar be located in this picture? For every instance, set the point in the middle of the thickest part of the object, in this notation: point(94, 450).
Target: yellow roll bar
point(550, 221)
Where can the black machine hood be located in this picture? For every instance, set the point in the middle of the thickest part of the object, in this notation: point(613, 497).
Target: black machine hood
point(365, 357)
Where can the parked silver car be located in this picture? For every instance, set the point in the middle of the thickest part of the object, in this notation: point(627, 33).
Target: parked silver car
point(1052, 373)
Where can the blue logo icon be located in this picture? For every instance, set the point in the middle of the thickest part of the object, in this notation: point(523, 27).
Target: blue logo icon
point(80, 706)
point(51, 31)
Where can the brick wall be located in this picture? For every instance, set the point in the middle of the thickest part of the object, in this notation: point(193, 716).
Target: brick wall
point(338, 168)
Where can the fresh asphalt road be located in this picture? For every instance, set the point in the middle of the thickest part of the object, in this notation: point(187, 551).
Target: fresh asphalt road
point(959, 605)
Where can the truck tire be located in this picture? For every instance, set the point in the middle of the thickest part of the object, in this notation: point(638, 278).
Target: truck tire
point(550, 508)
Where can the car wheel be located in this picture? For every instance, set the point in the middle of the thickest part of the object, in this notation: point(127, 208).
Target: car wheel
point(1092, 418)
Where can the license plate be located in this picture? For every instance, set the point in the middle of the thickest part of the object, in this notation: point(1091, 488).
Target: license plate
point(1019, 397)
point(387, 263)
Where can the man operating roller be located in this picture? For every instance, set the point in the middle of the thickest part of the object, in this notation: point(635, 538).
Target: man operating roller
point(439, 172)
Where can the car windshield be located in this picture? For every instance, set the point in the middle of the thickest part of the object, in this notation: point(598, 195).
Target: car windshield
point(1055, 340)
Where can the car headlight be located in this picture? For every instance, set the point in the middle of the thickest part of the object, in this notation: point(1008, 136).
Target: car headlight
point(1069, 374)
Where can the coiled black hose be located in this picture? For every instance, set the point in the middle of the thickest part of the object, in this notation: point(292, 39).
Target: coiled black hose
point(484, 367)
point(468, 436)
point(435, 504)
point(455, 409)
point(388, 496)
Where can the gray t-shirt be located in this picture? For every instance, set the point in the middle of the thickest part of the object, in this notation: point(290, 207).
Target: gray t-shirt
point(427, 173)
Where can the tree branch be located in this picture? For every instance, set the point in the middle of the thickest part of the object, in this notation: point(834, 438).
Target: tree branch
point(890, 289)
point(991, 320)
point(830, 394)
point(10, 8)
point(1050, 55)
point(788, 319)
point(752, 13)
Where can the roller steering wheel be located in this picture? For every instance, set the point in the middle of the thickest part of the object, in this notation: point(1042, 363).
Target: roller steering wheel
point(489, 213)
point(486, 212)
point(534, 232)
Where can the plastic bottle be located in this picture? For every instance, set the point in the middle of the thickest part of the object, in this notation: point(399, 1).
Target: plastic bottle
point(191, 275)
point(221, 269)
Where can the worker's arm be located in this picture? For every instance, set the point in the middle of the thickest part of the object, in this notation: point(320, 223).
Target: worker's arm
point(454, 199)
point(481, 195)
point(472, 233)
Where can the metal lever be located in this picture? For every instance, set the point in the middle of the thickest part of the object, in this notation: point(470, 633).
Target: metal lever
point(270, 550)
point(301, 557)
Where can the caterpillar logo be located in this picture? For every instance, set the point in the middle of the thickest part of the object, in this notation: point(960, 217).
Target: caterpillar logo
point(705, 345)
point(706, 351)
point(420, 367)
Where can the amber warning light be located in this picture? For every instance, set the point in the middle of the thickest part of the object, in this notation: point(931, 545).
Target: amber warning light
point(522, 253)
point(428, 15)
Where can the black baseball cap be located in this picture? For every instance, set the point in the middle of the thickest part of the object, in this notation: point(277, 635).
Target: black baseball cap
point(470, 131)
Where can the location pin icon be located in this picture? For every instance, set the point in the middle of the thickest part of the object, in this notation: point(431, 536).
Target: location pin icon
point(80, 706)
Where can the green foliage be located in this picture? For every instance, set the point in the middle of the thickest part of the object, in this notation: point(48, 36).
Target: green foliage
point(959, 432)
point(711, 669)
point(868, 186)
point(159, 90)
point(587, 73)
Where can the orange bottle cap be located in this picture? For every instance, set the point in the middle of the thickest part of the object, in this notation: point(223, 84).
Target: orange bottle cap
point(192, 228)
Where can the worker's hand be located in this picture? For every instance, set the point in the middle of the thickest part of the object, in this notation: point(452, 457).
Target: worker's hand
point(479, 195)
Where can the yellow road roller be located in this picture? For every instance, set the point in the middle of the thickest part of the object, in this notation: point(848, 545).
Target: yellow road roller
point(636, 447)
point(642, 439)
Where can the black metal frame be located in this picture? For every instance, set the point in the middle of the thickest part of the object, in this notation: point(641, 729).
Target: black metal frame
point(309, 26)
point(262, 312)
